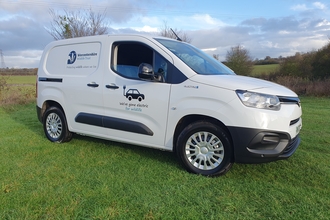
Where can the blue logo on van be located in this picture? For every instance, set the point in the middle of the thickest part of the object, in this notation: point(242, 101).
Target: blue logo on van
point(72, 56)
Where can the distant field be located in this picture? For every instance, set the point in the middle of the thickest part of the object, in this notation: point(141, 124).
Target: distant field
point(19, 72)
point(21, 79)
point(259, 69)
point(17, 89)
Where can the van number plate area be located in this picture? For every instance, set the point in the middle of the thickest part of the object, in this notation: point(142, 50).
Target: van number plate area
point(298, 128)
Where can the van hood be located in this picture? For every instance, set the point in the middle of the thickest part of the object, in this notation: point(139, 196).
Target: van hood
point(235, 82)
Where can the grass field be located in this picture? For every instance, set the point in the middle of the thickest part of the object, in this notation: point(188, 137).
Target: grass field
point(17, 89)
point(94, 179)
point(27, 80)
point(264, 69)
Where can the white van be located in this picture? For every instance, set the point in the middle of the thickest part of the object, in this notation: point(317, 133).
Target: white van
point(165, 94)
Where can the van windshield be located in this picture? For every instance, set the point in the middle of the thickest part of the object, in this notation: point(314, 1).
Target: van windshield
point(196, 59)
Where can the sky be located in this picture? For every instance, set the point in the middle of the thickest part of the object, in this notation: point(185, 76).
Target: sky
point(264, 27)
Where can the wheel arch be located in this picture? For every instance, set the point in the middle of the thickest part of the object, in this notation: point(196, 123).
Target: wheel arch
point(50, 103)
point(55, 126)
point(188, 119)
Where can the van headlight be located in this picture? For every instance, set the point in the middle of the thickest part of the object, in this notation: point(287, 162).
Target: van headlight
point(258, 100)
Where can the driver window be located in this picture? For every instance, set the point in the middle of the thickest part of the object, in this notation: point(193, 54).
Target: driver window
point(160, 67)
point(127, 56)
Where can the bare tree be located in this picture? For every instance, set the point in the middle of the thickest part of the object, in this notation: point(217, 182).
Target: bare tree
point(76, 24)
point(167, 32)
point(239, 60)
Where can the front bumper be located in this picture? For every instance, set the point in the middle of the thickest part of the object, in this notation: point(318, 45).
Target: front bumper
point(259, 146)
point(39, 113)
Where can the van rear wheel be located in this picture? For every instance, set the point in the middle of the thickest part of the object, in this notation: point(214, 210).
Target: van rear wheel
point(55, 126)
point(204, 148)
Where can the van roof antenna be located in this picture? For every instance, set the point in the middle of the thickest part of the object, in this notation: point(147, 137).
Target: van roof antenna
point(177, 37)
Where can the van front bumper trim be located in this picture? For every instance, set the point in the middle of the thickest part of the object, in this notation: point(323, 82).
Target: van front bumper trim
point(258, 146)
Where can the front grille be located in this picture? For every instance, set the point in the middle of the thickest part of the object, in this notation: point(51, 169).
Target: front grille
point(294, 121)
point(289, 100)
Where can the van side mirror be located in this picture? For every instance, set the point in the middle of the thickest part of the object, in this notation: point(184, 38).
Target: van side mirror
point(146, 71)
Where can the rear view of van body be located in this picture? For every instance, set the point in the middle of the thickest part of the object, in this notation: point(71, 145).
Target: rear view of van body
point(165, 94)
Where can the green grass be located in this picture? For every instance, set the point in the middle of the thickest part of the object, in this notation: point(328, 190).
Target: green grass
point(17, 89)
point(28, 79)
point(89, 178)
point(262, 69)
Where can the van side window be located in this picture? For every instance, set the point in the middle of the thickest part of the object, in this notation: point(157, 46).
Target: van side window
point(161, 66)
point(127, 56)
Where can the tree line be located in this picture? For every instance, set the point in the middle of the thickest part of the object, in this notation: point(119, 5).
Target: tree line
point(314, 65)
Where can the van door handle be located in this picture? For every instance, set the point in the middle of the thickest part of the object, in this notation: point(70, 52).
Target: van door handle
point(112, 86)
point(93, 84)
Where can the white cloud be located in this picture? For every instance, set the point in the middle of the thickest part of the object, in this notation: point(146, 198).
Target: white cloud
point(153, 21)
point(319, 5)
point(192, 22)
point(207, 19)
point(299, 7)
point(303, 7)
point(324, 22)
point(31, 54)
point(283, 32)
point(269, 44)
point(184, 23)
point(26, 58)
point(146, 28)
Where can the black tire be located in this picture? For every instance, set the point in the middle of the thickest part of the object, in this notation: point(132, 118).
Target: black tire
point(140, 98)
point(205, 148)
point(55, 126)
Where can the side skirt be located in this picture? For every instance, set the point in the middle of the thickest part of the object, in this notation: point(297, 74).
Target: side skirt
point(113, 123)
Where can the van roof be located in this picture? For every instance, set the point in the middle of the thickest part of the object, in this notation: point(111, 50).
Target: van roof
point(148, 36)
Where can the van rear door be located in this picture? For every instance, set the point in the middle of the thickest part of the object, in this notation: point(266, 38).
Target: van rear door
point(78, 64)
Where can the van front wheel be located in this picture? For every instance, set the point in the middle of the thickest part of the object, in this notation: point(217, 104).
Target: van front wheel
point(55, 126)
point(204, 148)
